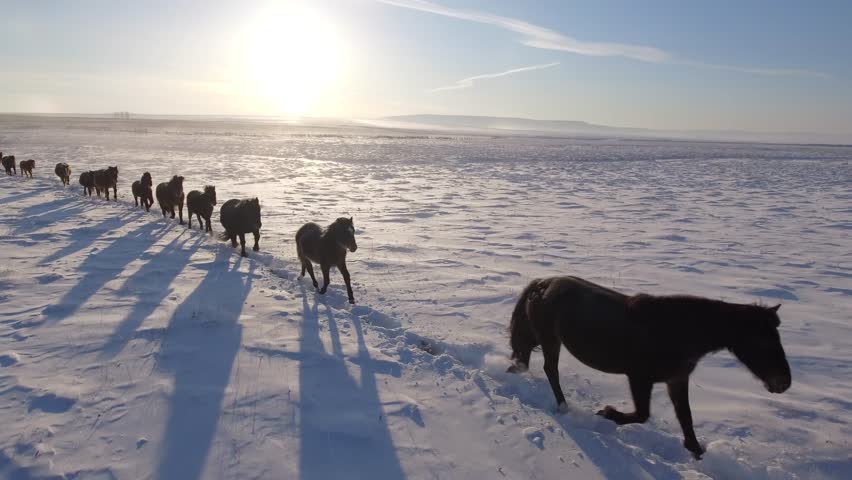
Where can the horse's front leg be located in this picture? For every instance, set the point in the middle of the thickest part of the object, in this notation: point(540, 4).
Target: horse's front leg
point(345, 272)
point(114, 192)
point(243, 244)
point(679, 395)
point(189, 214)
point(550, 350)
point(256, 246)
point(325, 277)
point(640, 388)
point(180, 212)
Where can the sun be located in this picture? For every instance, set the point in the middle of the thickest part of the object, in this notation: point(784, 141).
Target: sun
point(292, 56)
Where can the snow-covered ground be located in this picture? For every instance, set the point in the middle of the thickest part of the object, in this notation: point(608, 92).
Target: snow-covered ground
point(132, 348)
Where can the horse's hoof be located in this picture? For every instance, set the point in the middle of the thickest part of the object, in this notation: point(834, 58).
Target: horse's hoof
point(256, 249)
point(322, 291)
point(694, 448)
point(607, 412)
point(562, 408)
point(517, 368)
point(352, 301)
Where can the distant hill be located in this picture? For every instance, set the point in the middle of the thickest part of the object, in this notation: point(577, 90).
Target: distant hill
point(528, 126)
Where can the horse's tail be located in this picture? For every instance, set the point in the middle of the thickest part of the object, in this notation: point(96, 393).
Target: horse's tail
point(225, 236)
point(522, 336)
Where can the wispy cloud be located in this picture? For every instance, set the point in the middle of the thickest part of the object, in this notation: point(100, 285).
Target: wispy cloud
point(540, 37)
point(468, 82)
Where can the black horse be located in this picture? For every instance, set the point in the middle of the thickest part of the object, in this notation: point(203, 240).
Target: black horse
point(649, 338)
point(87, 180)
point(328, 248)
point(9, 164)
point(170, 195)
point(63, 171)
point(27, 167)
point(105, 179)
point(239, 217)
point(142, 191)
point(201, 204)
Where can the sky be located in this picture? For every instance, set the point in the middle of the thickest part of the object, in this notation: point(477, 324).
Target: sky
point(762, 66)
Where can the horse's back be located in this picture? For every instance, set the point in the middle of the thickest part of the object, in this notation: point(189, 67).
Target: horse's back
point(592, 321)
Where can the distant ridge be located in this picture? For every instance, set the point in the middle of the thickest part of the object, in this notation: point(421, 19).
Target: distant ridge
point(528, 126)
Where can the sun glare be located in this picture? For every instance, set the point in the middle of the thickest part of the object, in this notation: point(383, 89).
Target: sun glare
point(292, 57)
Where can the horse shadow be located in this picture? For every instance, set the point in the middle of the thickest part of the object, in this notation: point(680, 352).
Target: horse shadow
point(82, 241)
point(103, 266)
point(43, 215)
point(163, 267)
point(199, 347)
point(357, 444)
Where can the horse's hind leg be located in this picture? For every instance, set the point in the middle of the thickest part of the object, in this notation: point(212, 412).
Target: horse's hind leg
point(550, 350)
point(640, 388)
point(326, 270)
point(310, 267)
point(679, 395)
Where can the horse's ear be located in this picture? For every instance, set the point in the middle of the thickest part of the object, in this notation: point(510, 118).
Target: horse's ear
point(350, 219)
point(775, 308)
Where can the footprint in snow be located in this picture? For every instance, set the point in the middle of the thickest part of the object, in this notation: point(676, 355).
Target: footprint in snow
point(535, 436)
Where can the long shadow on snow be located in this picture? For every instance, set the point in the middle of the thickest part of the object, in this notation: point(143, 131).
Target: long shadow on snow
point(151, 285)
point(103, 266)
point(87, 235)
point(342, 424)
point(20, 196)
point(37, 217)
point(199, 346)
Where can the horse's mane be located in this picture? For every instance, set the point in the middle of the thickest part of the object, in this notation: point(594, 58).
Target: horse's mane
point(209, 188)
point(338, 224)
point(678, 308)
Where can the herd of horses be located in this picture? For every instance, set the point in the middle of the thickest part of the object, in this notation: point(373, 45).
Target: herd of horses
point(650, 339)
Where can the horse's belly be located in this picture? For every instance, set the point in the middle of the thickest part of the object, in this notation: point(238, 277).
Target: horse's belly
point(604, 349)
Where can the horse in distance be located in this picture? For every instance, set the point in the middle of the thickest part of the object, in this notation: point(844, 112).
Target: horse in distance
point(9, 164)
point(328, 248)
point(239, 217)
point(142, 191)
point(651, 339)
point(170, 195)
point(87, 180)
point(201, 204)
point(63, 171)
point(105, 179)
point(27, 167)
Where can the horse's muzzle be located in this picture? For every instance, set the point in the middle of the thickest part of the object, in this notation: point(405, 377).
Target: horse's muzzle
point(352, 248)
point(778, 384)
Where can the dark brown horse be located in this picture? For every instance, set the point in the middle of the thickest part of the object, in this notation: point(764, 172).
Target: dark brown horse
point(27, 167)
point(142, 191)
point(87, 180)
point(328, 248)
point(201, 204)
point(9, 164)
point(105, 179)
point(170, 195)
point(239, 217)
point(650, 339)
point(63, 171)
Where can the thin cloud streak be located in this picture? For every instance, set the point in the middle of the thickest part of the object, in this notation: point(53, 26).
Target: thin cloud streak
point(544, 38)
point(468, 82)
point(539, 37)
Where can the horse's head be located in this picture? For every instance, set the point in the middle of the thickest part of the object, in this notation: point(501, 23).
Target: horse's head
point(757, 344)
point(210, 191)
point(146, 179)
point(177, 181)
point(254, 208)
point(345, 233)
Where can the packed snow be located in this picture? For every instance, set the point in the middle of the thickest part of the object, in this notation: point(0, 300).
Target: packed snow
point(131, 347)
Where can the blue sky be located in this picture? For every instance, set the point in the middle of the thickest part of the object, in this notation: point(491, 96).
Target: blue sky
point(723, 65)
